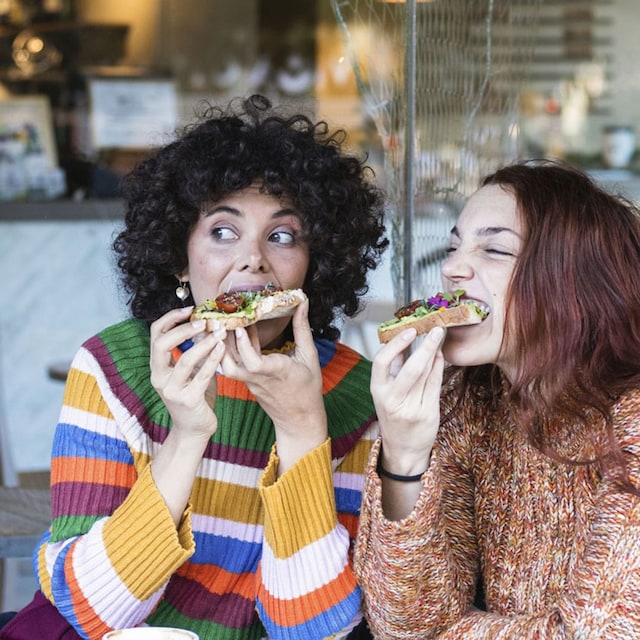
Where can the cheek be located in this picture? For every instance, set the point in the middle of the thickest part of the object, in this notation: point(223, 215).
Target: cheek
point(297, 268)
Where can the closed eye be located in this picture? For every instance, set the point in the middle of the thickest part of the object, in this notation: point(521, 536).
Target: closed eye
point(500, 252)
point(494, 250)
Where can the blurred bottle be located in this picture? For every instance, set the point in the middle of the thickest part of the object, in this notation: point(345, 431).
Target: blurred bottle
point(618, 145)
point(56, 10)
point(25, 12)
point(5, 12)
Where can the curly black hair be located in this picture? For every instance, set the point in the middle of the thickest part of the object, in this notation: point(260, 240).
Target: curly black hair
point(225, 150)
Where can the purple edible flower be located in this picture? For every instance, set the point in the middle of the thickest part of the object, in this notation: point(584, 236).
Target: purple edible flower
point(438, 301)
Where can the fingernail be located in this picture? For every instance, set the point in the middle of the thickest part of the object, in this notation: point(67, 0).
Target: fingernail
point(436, 334)
point(198, 324)
point(216, 325)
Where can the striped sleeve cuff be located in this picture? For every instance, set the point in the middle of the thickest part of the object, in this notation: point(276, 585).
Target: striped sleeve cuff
point(141, 539)
point(300, 506)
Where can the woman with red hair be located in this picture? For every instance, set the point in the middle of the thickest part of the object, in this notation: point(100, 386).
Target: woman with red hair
point(513, 472)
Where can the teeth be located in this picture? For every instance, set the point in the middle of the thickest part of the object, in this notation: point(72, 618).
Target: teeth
point(484, 307)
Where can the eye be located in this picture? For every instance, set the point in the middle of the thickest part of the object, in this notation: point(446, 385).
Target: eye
point(282, 237)
point(224, 233)
point(500, 251)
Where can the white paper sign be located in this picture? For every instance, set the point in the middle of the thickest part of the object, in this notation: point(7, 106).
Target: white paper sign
point(132, 113)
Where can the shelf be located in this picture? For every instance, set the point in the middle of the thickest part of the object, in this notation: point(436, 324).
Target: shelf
point(80, 43)
point(61, 210)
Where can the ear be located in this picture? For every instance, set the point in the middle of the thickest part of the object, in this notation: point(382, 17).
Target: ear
point(183, 276)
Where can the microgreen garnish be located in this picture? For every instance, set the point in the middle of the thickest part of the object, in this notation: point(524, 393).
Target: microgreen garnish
point(444, 300)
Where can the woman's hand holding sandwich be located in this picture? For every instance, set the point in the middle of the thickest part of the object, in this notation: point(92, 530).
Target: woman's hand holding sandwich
point(287, 386)
point(188, 389)
point(406, 393)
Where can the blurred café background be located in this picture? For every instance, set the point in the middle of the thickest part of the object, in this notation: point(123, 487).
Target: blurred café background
point(87, 87)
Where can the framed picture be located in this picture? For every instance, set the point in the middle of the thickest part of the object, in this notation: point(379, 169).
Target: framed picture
point(26, 128)
point(131, 112)
point(28, 155)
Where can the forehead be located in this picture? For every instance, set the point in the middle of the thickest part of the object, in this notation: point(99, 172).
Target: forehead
point(253, 194)
point(489, 207)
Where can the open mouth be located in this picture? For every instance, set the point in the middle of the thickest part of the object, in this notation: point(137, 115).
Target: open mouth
point(484, 308)
point(252, 287)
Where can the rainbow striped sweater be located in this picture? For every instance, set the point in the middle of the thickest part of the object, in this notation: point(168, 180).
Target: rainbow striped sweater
point(253, 557)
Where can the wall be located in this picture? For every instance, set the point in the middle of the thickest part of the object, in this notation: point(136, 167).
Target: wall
point(625, 86)
point(145, 41)
point(59, 290)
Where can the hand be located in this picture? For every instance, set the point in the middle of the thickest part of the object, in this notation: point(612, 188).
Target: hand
point(406, 395)
point(188, 386)
point(287, 386)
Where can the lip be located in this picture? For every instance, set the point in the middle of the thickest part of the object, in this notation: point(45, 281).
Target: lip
point(247, 287)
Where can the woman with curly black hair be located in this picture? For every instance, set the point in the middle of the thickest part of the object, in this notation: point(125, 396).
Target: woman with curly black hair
point(219, 490)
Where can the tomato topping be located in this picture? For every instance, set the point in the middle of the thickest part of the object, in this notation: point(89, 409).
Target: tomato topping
point(408, 309)
point(270, 289)
point(229, 302)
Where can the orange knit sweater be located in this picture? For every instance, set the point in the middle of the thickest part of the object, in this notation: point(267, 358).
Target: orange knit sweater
point(555, 547)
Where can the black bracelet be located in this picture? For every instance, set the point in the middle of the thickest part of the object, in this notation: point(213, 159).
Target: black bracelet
point(394, 476)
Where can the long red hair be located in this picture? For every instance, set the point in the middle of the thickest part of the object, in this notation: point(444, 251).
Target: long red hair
point(573, 305)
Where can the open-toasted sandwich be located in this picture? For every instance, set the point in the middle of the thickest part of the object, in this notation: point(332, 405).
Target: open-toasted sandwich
point(235, 309)
point(443, 309)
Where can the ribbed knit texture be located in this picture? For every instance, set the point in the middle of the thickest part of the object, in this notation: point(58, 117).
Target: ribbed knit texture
point(253, 557)
point(556, 547)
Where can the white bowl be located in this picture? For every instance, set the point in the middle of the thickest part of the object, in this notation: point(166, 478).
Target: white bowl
point(150, 633)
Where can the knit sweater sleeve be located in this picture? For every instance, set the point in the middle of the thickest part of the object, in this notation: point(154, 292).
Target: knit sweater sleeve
point(418, 573)
point(306, 584)
point(307, 587)
point(98, 542)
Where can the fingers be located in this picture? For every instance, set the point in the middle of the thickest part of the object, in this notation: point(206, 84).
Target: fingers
point(243, 353)
point(195, 357)
point(168, 332)
point(392, 366)
point(254, 337)
point(421, 362)
point(302, 330)
point(388, 361)
point(202, 373)
point(168, 321)
point(170, 363)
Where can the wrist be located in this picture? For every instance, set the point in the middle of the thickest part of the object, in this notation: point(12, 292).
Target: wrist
point(290, 449)
point(182, 443)
point(405, 471)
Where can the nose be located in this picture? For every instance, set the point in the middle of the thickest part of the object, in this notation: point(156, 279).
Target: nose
point(457, 266)
point(253, 259)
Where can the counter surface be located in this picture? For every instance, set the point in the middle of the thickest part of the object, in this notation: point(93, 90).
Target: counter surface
point(52, 210)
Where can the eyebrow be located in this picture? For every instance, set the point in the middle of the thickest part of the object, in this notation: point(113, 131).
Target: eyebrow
point(487, 231)
point(281, 213)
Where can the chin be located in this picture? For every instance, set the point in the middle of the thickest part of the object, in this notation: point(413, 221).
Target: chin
point(271, 333)
point(463, 355)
